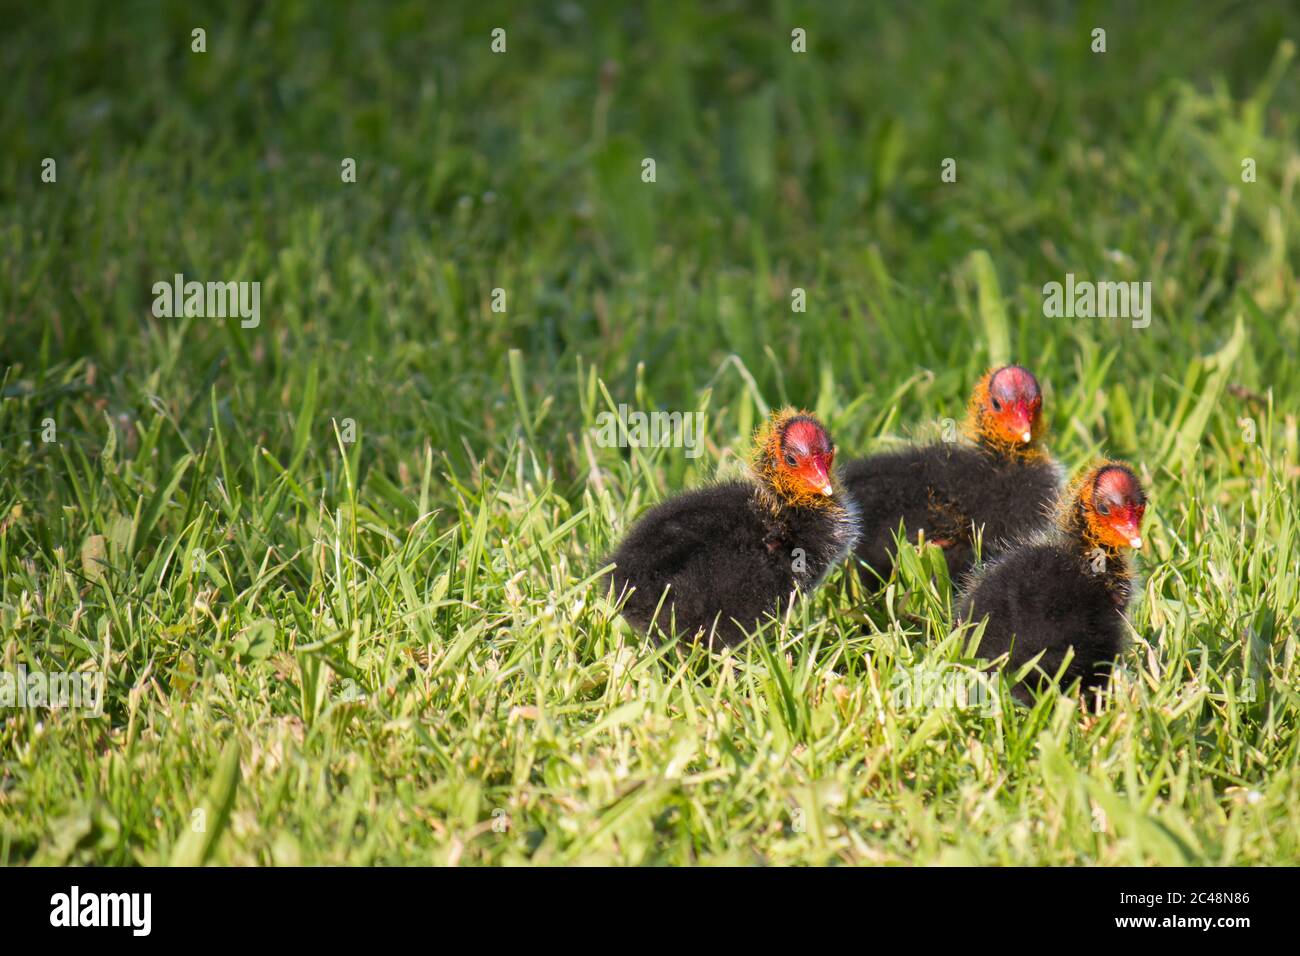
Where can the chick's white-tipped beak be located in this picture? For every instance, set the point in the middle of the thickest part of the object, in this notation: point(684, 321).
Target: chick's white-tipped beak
point(827, 489)
point(1026, 437)
point(1135, 542)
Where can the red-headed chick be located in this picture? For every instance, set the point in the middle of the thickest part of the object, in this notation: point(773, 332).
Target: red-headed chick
point(1000, 480)
point(714, 563)
point(1066, 592)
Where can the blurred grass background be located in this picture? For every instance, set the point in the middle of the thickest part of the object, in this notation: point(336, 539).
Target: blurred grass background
point(200, 531)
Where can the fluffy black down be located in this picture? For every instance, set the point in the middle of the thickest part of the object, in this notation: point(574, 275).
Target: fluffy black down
point(1046, 597)
point(724, 556)
point(945, 489)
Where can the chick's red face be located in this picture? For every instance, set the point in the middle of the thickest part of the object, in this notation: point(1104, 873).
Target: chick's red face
point(1117, 506)
point(1013, 405)
point(807, 455)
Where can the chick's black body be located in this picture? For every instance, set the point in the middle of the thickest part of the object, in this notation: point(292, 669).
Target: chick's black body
point(1053, 597)
point(725, 553)
point(945, 489)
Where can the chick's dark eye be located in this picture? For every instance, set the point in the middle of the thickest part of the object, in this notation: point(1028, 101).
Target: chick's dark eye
point(1103, 508)
point(790, 460)
point(997, 406)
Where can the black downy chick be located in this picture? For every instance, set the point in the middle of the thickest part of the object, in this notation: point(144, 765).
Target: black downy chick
point(1068, 589)
point(731, 554)
point(1000, 479)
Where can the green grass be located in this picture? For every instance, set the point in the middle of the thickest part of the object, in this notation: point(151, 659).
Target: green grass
point(399, 649)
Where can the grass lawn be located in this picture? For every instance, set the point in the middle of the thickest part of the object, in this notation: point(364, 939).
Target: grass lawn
point(340, 570)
